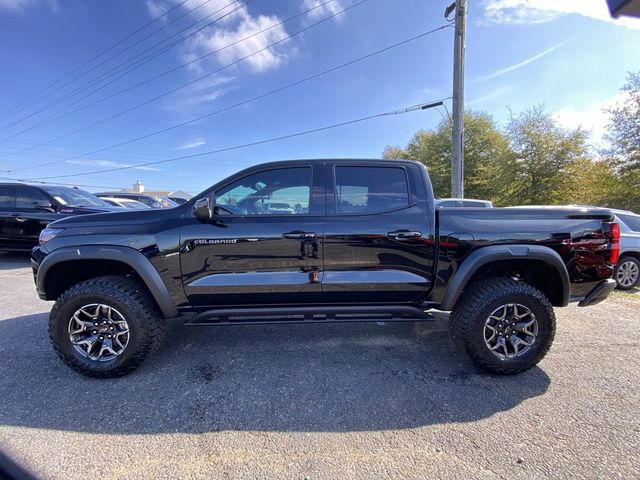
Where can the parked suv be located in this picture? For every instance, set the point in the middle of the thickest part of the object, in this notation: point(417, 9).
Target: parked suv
point(364, 242)
point(149, 200)
point(27, 209)
point(627, 273)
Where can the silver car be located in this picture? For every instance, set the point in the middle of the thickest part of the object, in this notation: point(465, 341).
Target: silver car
point(627, 273)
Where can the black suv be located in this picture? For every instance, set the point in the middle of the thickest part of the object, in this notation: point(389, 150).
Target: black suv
point(25, 210)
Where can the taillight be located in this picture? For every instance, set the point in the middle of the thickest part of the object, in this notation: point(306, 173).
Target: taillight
point(614, 232)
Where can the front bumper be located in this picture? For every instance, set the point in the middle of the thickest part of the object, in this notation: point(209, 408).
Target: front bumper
point(598, 293)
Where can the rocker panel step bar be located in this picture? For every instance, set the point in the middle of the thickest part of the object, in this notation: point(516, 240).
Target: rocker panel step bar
point(317, 314)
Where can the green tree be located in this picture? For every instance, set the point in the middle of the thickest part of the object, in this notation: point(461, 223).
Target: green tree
point(538, 171)
point(624, 125)
point(592, 182)
point(485, 149)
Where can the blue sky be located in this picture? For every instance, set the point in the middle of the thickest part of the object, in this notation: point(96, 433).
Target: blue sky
point(569, 56)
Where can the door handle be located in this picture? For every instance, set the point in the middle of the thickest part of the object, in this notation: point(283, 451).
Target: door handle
point(403, 235)
point(299, 235)
point(17, 217)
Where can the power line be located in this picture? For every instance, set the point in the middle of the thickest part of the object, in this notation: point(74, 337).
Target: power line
point(114, 71)
point(191, 82)
point(8, 112)
point(57, 116)
point(244, 102)
point(412, 108)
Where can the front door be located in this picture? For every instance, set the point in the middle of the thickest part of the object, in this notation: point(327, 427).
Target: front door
point(27, 221)
point(378, 246)
point(263, 245)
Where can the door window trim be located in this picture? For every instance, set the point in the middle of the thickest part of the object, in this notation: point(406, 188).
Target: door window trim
point(334, 204)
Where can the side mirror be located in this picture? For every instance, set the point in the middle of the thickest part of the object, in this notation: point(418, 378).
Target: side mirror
point(43, 205)
point(202, 209)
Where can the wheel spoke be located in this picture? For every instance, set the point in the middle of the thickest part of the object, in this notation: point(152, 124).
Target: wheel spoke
point(89, 343)
point(107, 346)
point(524, 327)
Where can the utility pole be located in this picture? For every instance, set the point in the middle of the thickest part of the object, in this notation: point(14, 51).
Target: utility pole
point(457, 159)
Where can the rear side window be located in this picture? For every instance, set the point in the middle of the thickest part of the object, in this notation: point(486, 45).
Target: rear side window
point(7, 196)
point(27, 197)
point(370, 189)
point(632, 222)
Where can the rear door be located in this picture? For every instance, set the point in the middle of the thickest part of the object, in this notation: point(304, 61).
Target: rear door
point(263, 246)
point(7, 204)
point(378, 246)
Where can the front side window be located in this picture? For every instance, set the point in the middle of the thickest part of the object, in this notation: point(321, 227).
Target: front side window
point(283, 191)
point(28, 197)
point(370, 189)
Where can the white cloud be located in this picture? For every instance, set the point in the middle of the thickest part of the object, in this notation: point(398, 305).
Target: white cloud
point(192, 144)
point(521, 64)
point(109, 164)
point(237, 24)
point(592, 118)
point(267, 59)
point(540, 11)
point(19, 6)
point(327, 9)
point(157, 8)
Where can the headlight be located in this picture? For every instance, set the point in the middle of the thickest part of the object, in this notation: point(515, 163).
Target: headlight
point(49, 233)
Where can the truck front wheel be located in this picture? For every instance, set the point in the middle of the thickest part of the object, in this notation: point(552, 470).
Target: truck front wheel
point(506, 326)
point(106, 326)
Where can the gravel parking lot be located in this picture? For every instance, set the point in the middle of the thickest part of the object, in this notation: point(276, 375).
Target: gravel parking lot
point(322, 401)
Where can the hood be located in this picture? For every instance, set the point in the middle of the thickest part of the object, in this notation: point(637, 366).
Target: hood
point(117, 216)
point(86, 210)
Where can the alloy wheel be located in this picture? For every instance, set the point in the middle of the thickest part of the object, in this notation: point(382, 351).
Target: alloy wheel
point(510, 331)
point(627, 273)
point(98, 332)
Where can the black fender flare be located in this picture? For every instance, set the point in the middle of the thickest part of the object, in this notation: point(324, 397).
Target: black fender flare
point(129, 256)
point(484, 255)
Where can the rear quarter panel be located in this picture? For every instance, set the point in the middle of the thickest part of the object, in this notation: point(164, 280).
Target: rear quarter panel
point(575, 234)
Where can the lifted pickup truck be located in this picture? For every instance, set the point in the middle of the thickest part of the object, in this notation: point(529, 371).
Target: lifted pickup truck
point(347, 240)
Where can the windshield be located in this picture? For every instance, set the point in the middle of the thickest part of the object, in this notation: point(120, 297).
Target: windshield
point(74, 197)
point(134, 205)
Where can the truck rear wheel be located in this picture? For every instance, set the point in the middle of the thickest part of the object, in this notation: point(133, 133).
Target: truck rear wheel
point(106, 326)
point(505, 326)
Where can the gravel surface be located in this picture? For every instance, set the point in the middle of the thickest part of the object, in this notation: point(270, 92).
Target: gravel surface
point(322, 401)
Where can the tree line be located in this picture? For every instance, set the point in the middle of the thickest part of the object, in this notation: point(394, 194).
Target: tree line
point(533, 160)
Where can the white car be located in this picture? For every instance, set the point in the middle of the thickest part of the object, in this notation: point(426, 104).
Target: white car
point(125, 203)
point(463, 202)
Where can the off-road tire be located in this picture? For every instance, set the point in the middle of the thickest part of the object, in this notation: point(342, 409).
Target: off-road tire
point(147, 326)
point(475, 305)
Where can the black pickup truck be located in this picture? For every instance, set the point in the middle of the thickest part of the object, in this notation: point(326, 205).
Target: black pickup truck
point(320, 241)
